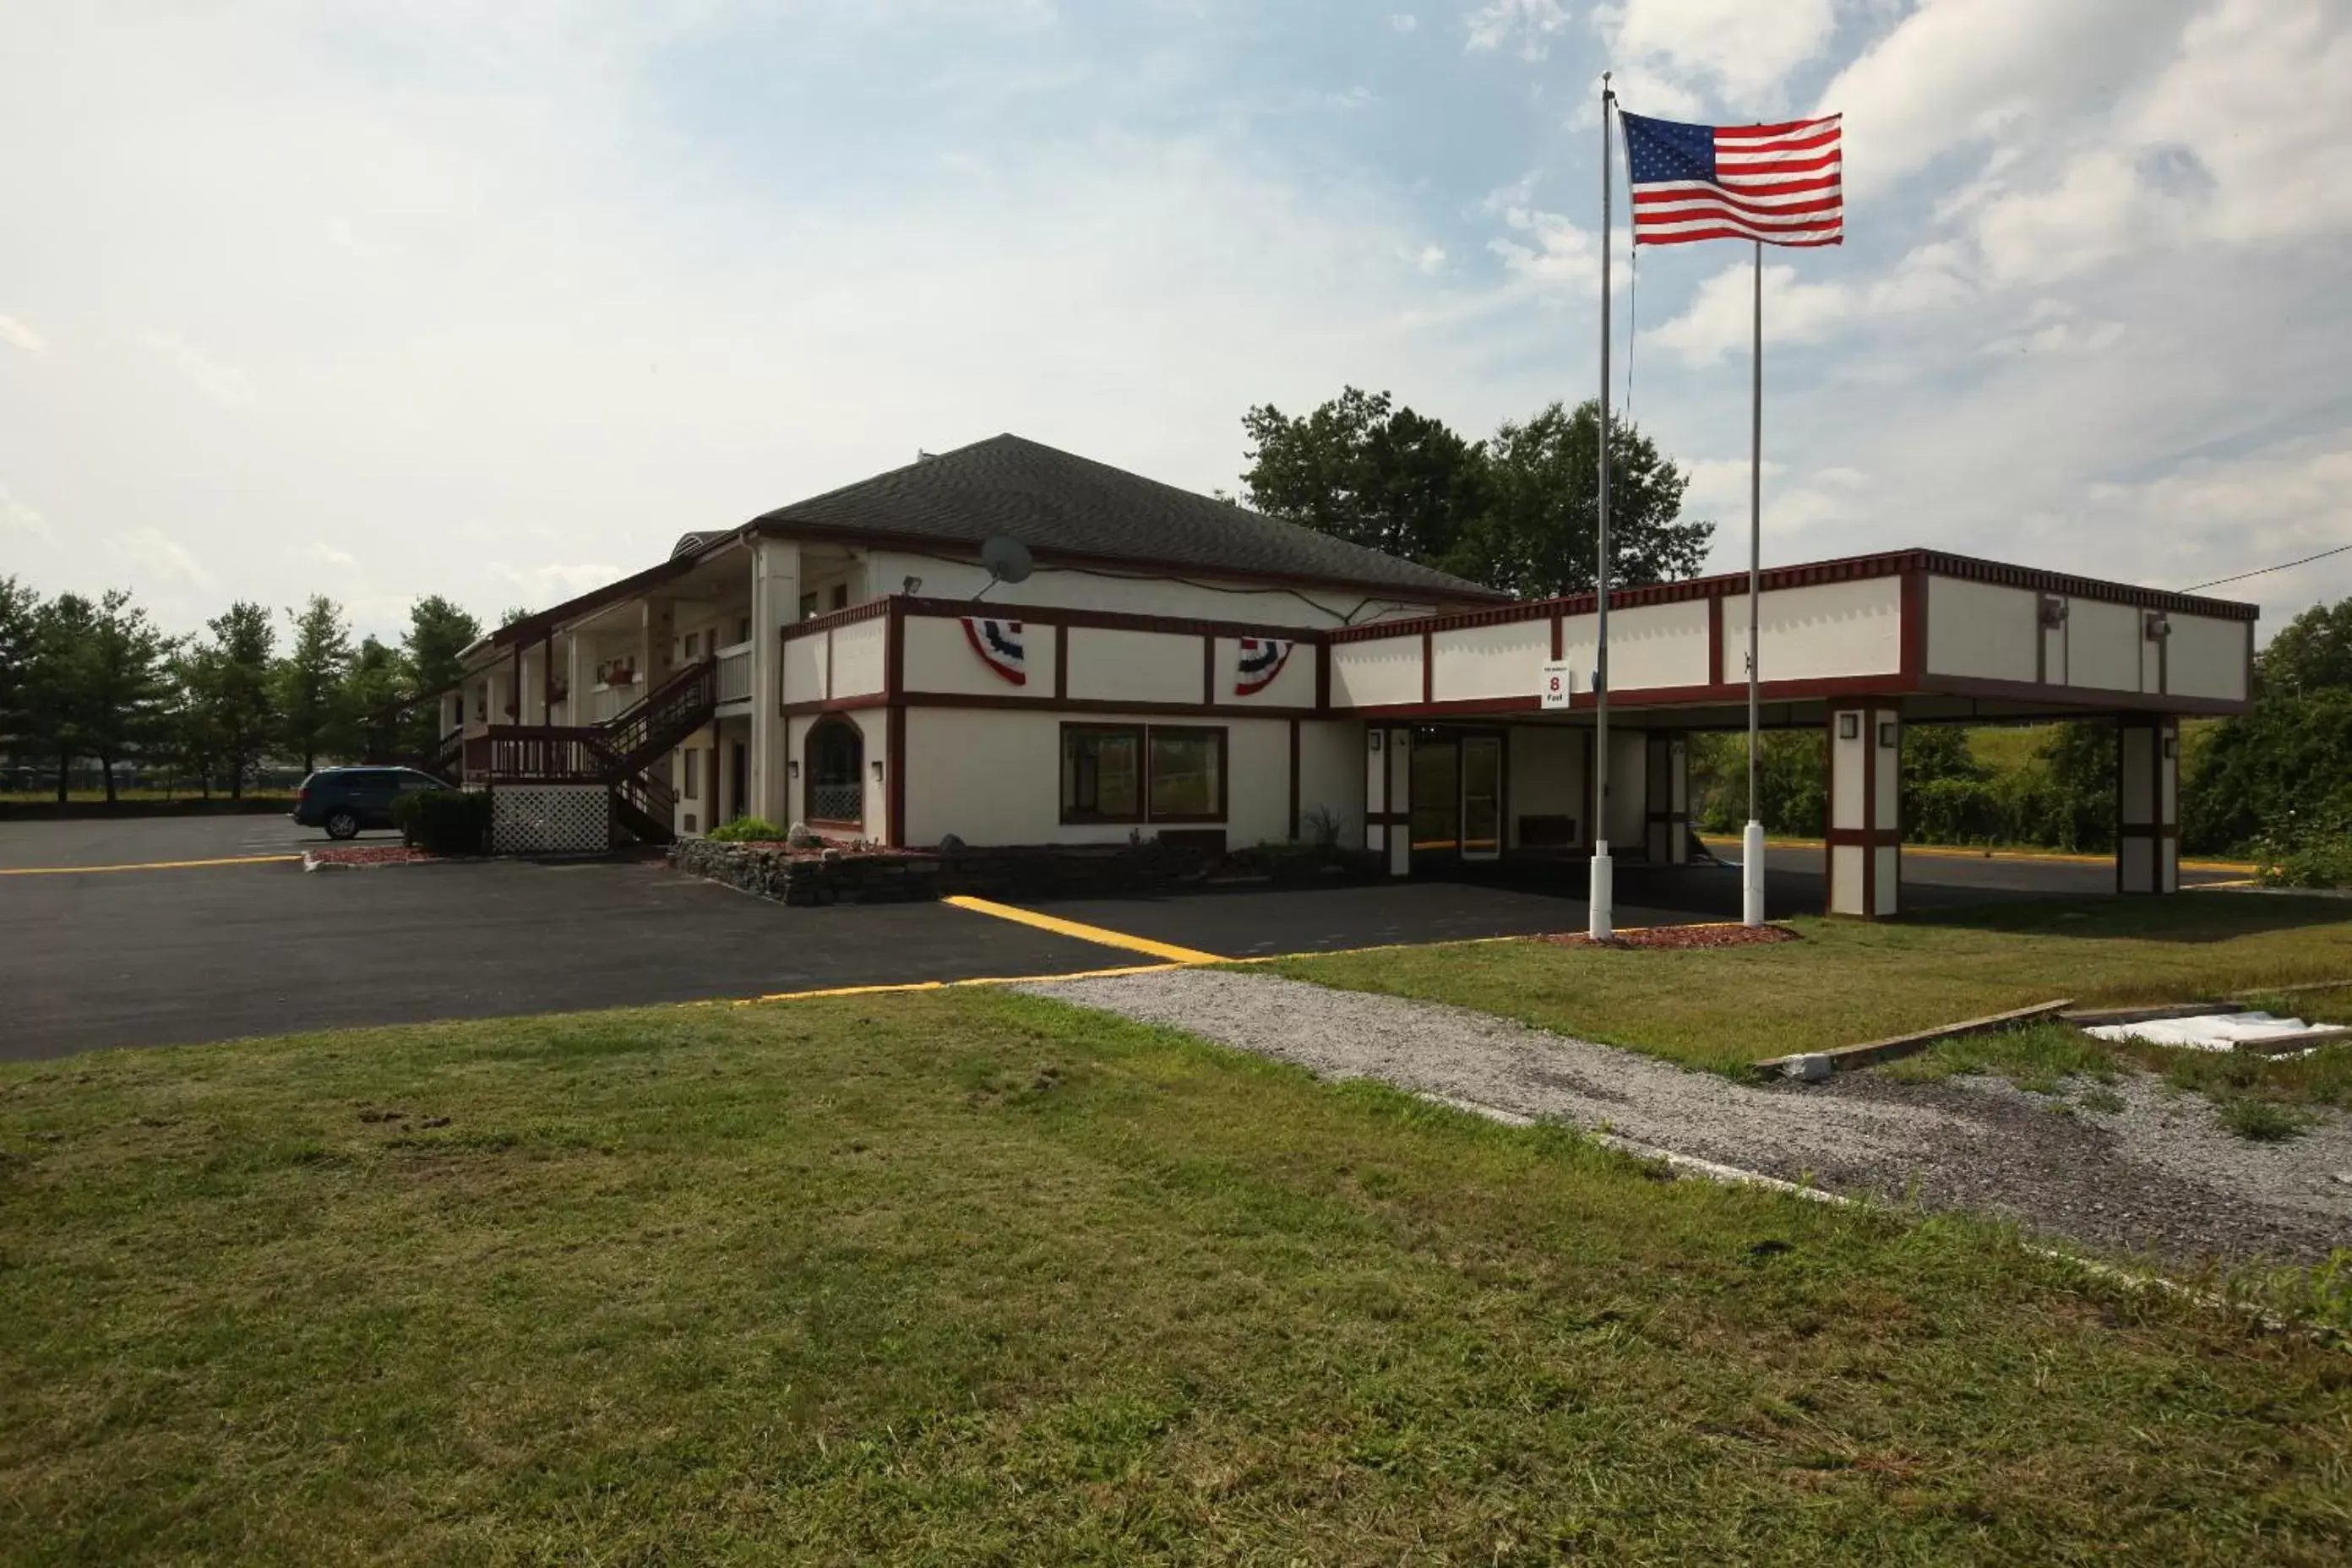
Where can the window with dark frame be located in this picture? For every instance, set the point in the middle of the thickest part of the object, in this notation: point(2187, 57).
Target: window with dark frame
point(835, 785)
point(691, 753)
point(1142, 773)
point(840, 595)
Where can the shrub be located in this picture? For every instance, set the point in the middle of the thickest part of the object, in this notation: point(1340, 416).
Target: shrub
point(746, 830)
point(444, 822)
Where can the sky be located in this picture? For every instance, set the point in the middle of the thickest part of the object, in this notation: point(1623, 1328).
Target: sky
point(391, 296)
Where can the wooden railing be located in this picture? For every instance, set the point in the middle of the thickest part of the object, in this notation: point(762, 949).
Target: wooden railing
point(541, 753)
point(735, 673)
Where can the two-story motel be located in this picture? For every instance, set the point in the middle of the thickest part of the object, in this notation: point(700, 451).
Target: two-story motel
point(1177, 663)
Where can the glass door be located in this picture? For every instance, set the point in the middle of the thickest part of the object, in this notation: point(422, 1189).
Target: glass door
point(1436, 795)
point(1482, 796)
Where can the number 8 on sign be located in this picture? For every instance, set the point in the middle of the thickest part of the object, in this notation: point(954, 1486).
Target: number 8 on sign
point(1556, 684)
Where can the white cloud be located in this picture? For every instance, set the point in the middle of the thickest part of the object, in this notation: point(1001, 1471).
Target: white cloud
point(2217, 517)
point(19, 336)
point(1746, 50)
point(1556, 253)
point(18, 518)
point(553, 583)
point(1431, 259)
point(1527, 26)
point(153, 553)
point(328, 555)
point(1641, 90)
point(1403, 22)
point(225, 385)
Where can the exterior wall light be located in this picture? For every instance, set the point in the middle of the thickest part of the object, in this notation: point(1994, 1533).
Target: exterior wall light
point(1849, 726)
point(792, 769)
point(877, 770)
point(1889, 732)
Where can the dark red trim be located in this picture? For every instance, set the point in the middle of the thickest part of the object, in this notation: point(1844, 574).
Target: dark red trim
point(1208, 669)
point(1559, 636)
point(2077, 696)
point(1714, 641)
point(1854, 568)
point(1061, 661)
point(1428, 666)
point(1075, 705)
point(893, 604)
point(1138, 565)
point(894, 651)
point(1322, 679)
point(863, 703)
point(894, 757)
point(1914, 657)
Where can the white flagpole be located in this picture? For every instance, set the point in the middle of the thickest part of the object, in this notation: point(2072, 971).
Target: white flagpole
point(1752, 841)
point(1602, 890)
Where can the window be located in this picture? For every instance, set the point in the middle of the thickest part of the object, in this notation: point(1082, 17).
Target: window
point(693, 646)
point(743, 629)
point(808, 606)
point(836, 761)
point(692, 788)
point(1136, 772)
point(1102, 773)
point(840, 595)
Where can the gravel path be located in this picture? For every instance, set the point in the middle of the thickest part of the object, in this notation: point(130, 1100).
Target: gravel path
point(2156, 1176)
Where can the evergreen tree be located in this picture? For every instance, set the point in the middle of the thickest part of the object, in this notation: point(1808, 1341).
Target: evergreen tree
point(310, 680)
point(125, 685)
point(238, 693)
point(57, 683)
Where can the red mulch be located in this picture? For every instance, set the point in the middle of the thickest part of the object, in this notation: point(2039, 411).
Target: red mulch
point(1681, 936)
point(366, 855)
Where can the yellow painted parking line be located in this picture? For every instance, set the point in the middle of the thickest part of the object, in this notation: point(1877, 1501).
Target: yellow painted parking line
point(899, 987)
point(1102, 935)
point(1963, 852)
point(145, 865)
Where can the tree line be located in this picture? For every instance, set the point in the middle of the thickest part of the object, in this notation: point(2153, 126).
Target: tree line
point(85, 679)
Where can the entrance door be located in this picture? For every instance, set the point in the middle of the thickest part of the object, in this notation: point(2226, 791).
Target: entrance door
point(738, 779)
point(1436, 797)
point(1482, 797)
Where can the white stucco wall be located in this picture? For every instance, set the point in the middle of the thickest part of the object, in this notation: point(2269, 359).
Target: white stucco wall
point(993, 776)
point(805, 668)
point(1657, 645)
point(1980, 629)
point(940, 658)
point(1293, 688)
point(1826, 630)
point(2207, 657)
point(1376, 670)
point(1547, 776)
point(1331, 774)
point(1505, 660)
point(1203, 596)
point(2103, 644)
point(858, 656)
point(1133, 667)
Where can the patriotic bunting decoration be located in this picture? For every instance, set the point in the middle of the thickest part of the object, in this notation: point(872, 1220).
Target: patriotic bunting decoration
point(1778, 183)
point(999, 647)
point(1262, 659)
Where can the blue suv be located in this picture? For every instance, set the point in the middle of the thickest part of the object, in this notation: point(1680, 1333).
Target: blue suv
point(345, 800)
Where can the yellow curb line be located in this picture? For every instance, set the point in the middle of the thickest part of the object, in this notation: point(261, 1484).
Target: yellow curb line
point(1101, 936)
point(906, 986)
point(145, 865)
point(1963, 852)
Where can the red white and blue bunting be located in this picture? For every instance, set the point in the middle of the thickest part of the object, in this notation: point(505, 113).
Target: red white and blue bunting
point(999, 647)
point(1262, 659)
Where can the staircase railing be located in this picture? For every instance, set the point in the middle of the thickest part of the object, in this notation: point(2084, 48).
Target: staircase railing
point(666, 715)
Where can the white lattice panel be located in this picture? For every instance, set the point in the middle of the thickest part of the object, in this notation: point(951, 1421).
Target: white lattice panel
point(541, 819)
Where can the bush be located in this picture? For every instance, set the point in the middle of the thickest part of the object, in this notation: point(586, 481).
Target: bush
point(746, 830)
point(444, 822)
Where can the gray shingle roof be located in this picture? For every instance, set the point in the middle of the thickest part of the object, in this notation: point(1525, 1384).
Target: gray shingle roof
point(1059, 504)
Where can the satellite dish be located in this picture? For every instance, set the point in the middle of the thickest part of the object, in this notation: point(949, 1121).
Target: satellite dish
point(1007, 560)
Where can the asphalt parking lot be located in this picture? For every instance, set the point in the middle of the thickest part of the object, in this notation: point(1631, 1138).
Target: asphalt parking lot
point(210, 929)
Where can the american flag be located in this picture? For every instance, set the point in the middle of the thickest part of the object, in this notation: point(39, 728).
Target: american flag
point(1778, 183)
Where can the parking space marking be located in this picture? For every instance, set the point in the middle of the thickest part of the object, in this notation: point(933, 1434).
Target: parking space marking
point(1101, 936)
point(145, 865)
point(896, 987)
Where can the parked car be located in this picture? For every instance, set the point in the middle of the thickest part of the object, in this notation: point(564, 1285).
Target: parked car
point(345, 800)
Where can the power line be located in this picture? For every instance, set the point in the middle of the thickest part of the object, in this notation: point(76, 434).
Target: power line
point(2266, 571)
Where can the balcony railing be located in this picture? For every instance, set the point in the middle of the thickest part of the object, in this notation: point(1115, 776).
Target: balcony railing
point(735, 673)
point(606, 701)
point(545, 755)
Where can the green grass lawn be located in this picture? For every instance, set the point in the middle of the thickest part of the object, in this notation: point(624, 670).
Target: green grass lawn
point(969, 1277)
point(1850, 981)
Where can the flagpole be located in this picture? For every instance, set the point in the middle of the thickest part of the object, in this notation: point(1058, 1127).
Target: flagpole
point(1599, 894)
point(1752, 841)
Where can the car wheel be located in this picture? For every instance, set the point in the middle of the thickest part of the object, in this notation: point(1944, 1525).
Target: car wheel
point(342, 823)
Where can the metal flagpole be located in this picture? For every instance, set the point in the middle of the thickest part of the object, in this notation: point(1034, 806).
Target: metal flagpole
point(1600, 892)
point(1752, 841)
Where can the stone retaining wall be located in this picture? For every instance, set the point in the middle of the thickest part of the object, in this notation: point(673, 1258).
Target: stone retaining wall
point(1016, 872)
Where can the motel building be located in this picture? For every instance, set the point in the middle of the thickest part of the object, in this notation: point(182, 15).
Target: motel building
point(1173, 664)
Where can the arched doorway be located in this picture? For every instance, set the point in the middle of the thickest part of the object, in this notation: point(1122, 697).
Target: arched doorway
point(834, 790)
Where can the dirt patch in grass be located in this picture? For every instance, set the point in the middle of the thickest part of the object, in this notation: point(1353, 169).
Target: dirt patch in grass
point(1680, 938)
point(970, 1277)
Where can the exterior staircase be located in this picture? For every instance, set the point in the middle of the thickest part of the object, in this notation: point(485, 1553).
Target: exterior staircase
point(621, 754)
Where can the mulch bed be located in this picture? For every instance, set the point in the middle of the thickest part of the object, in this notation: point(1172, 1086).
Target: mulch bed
point(1681, 936)
point(365, 854)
